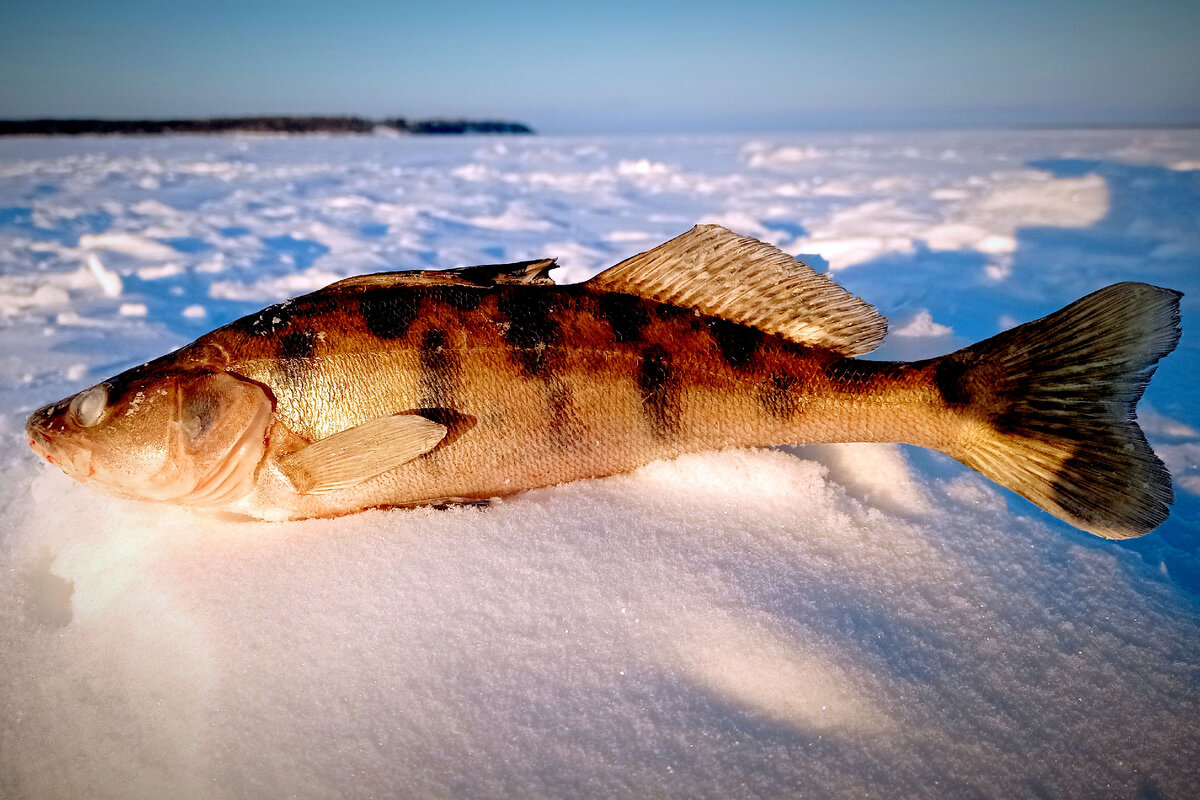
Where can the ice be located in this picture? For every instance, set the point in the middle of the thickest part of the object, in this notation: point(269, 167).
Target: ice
point(277, 288)
point(824, 620)
point(109, 281)
point(643, 166)
point(161, 271)
point(515, 217)
point(136, 246)
point(984, 223)
point(763, 154)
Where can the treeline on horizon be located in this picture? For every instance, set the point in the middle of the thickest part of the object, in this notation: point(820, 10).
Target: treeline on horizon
point(355, 125)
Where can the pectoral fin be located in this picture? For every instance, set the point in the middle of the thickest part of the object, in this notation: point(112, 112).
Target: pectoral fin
point(360, 453)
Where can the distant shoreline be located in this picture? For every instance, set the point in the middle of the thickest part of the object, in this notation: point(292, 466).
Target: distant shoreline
point(276, 124)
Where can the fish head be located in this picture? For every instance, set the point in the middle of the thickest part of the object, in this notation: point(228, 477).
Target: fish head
point(179, 435)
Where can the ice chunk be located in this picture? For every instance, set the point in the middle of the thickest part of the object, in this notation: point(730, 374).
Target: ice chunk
point(128, 244)
point(922, 325)
point(110, 282)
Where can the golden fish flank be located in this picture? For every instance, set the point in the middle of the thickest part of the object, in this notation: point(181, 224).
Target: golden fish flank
point(409, 388)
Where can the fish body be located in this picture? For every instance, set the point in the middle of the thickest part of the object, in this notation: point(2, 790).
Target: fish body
point(434, 387)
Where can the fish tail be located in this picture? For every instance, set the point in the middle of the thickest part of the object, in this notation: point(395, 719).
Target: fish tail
point(1048, 408)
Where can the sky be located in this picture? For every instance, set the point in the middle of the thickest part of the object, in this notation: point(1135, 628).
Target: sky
point(619, 66)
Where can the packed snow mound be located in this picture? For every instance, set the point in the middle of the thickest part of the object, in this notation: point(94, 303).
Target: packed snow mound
point(669, 633)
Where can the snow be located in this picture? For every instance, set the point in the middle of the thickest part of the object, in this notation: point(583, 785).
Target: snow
point(985, 222)
point(922, 325)
point(828, 621)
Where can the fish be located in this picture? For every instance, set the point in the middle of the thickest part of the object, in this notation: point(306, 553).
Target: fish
point(439, 387)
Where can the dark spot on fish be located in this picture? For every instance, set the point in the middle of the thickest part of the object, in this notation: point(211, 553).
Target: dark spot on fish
point(296, 350)
point(948, 374)
point(456, 423)
point(1079, 470)
point(531, 331)
point(564, 426)
point(388, 313)
point(843, 374)
point(299, 344)
point(1018, 406)
point(1095, 482)
point(660, 390)
point(1023, 410)
point(776, 396)
point(460, 298)
point(439, 369)
point(852, 376)
point(626, 314)
point(267, 321)
point(738, 343)
point(668, 312)
point(432, 343)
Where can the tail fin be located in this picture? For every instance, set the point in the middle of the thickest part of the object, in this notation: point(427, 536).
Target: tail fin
point(1052, 408)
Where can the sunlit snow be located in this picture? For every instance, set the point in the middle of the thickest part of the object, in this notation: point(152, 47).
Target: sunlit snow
point(824, 621)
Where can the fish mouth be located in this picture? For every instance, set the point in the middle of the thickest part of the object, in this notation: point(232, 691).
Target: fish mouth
point(39, 443)
point(76, 462)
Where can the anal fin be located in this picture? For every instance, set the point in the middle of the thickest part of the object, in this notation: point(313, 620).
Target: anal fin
point(357, 454)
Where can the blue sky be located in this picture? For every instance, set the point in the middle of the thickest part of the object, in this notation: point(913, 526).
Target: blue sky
point(616, 66)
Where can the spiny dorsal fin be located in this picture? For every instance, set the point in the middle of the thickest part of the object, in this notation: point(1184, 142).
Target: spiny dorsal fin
point(528, 273)
point(743, 280)
point(360, 453)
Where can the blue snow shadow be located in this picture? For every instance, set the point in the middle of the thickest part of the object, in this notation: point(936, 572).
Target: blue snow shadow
point(66, 231)
point(304, 252)
point(166, 298)
point(187, 244)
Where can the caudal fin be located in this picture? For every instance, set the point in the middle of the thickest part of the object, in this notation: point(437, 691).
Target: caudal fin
point(1049, 408)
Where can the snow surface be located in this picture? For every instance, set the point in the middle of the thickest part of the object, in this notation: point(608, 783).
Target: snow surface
point(824, 621)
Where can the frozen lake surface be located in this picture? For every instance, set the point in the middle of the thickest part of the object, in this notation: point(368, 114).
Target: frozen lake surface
point(822, 621)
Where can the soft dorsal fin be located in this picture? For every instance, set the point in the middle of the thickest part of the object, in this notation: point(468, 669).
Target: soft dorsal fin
point(720, 273)
point(358, 454)
point(528, 273)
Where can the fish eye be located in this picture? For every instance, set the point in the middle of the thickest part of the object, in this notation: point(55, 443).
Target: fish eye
point(88, 406)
